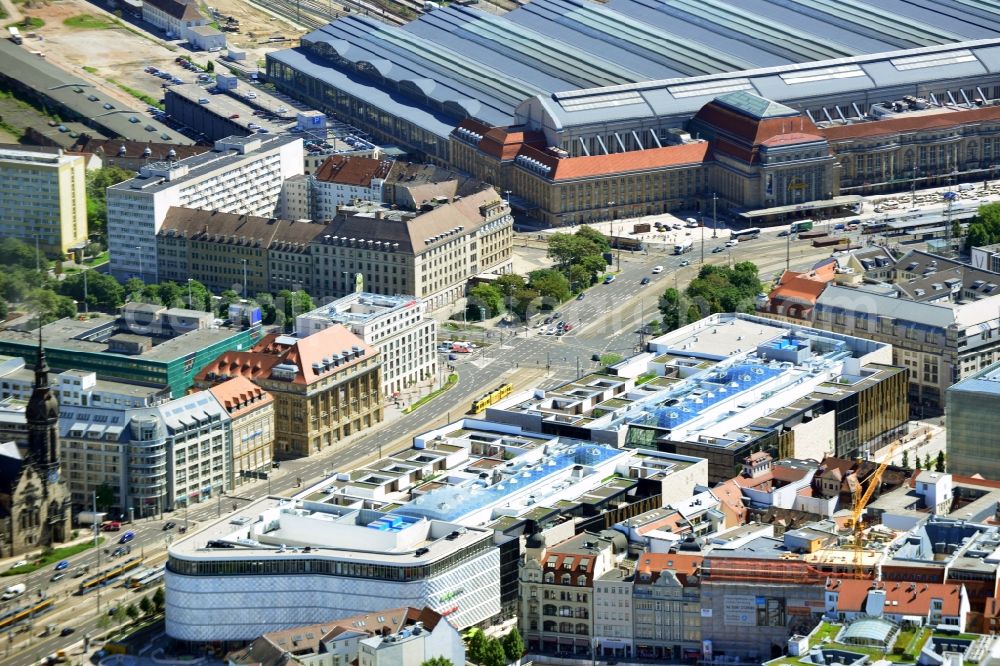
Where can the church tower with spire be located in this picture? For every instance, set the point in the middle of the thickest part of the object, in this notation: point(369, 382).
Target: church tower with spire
point(42, 456)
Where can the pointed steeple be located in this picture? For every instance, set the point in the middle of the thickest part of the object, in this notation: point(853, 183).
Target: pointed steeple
point(42, 367)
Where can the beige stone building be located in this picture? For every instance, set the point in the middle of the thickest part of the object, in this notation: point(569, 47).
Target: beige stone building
point(431, 254)
point(326, 386)
point(251, 410)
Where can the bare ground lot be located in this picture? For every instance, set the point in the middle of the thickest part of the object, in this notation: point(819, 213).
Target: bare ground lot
point(121, 50)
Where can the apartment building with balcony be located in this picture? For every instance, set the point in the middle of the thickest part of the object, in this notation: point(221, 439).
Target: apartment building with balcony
point(43, 197)
point(326, 386)
point(241, 175)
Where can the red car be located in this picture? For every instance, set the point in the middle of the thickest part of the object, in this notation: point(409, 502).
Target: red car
point(111, 526)
point(234, 116)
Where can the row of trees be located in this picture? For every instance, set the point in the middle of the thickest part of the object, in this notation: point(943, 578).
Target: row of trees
point(939, 463)
point(98, 183)
point(716, 289)
point(579, 264)
point(488, 651)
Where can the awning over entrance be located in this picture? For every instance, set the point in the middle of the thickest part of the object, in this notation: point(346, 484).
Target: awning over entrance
point(802, 208)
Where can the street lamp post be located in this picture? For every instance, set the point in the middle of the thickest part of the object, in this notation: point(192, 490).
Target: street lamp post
point(715, 219)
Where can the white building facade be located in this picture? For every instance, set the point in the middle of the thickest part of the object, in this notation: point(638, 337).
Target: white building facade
point(240, 175)
point(398, 326)
point(280, 564)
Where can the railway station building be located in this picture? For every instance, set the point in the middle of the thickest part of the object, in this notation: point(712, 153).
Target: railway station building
point(646, 109)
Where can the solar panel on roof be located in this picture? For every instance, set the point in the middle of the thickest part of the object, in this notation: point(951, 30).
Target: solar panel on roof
point(709, 88)
point(823, 74)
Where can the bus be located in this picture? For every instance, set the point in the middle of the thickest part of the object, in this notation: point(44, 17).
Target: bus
point(801, 225)
point(745, 235)
point(480, 404)
point(152, 577)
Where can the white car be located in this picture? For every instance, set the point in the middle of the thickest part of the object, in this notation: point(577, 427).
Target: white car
point(732, 242)
point(657, 270)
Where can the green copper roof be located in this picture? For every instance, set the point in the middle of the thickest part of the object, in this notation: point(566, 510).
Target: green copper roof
point(755, 106)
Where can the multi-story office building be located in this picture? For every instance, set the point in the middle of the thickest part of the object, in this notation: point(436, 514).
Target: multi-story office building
point(326, 386)
point(430, 254)
point(240, 175)
point(251, 414)
point(939, 343)
point(279, 563)
point(557, 590)
point(226, 251)
point(43, 197)
point(151, 345)
point(973, 416)
point(179, 453)
point(728, 386)
point(398, 326)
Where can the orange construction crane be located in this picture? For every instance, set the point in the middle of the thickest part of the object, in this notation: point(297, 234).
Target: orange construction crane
point(861, 501)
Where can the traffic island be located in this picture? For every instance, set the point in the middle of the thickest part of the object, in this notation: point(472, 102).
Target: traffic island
point(452, 380)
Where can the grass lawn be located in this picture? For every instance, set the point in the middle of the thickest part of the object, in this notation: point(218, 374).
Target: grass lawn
point(100, 259)
point(90, 22)
point(89, 69)
point(28, 23)
point(55, 556)
point(452, 380)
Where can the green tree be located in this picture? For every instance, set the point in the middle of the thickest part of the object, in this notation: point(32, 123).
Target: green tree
point(493, 654)
point(295, 303)
point(270, 313)
point(105, 496)
point(210, 67)
point(200, 296)
point(579, 277)
point(133, 288)
point(50, 305)
point(437, 661)
point(103, 621)
point(513, 645)
point(906, 460)
point(916, 461)
point(4, 310)
point(594, 236)
point(172, 295)
point(120, 615)
point(508, 284)
point(15, 252)
point(939, 465)
point(674, 307)
point(147, 606)
point(927, 461)
point(132, 611)
point(487, 296)
point(228, 297)
point(550, 284)
point(524, 298)
point(103, 291)
point(476, 645)
point(98, 183)
point(159, 599)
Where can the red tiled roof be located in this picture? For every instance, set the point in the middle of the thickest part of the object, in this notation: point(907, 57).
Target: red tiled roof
point(790, 139)
point(313, 349)
point(358, 171)
point(730, 497)
point(237, 363)
point(911, 122)
point(590, 166)
point(505, 143)
point(802, 287)
point(683, 563)
point(751, 131)
point(239, 395)
point(909, 598)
